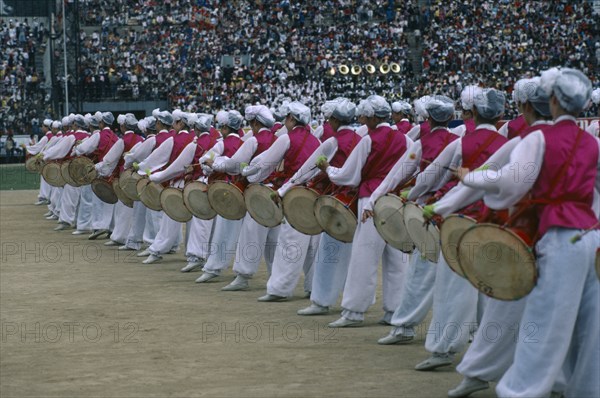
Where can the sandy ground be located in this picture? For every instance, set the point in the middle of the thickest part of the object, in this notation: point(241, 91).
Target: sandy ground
point(81, 319)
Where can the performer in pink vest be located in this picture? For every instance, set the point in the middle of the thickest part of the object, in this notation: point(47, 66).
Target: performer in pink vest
point(293, 149)
point(467, 97)
point(564, 305)
point(487, 360)
point(70, 196)
point(423, 127)
point(161, 167)
point(332, 259)
point(366, 168)
point(32, 150)
point(594, 127)
point(401, 113)
point(113, 164)
point(199, 250)
point(228, 233)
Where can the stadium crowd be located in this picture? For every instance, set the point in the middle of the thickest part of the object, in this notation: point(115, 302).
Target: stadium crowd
point(148, 49)
point(21, 94)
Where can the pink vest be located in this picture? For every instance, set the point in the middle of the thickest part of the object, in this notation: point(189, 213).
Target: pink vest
point(566, 194)
point(433, 144)
point(425, 128)
point(130, 140)
point(215, 134)
point(107, 140)
point(265, 139)
point(231, 144)
point(386, 148)
point(161, 137)
point(276, 127)
point(470, 125)
point(180, 141)
point(478, 146)
point(347, 139)
point(302, 145)
point(530, 129)
point(516, 126)
point(204, 143)
point(327, 132)
point(80, 135)
point(48, 135)
point(404, 126)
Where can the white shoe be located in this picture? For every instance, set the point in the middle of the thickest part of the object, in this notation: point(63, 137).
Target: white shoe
point(152, 259)
point(62, 226)
point(239, 283)
point(395, 339)
point(192, 265)
point(52, 217)
point(435, 361)
point(172, 251)
point(48, 214)
point(111, 243)
point(79, 232)
point(205, 277)
point(144, 253)
point(468, 386)
point(271, 298)
point(41, 202)
point(313, 309)
point(124, 248)
point(344, 323)
point(97, 233)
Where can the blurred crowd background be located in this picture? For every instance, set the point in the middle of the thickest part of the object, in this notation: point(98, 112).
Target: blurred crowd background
point(172, 49)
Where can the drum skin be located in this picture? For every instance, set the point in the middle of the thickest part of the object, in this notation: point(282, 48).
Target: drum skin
point(425, 234)
point(451, 231)
point(195, 198)
point(103, 189)
point(388, 217)
point(227, 199)
point(299, 210)
point(337, 215)
point(261, 206)
point(171, 200)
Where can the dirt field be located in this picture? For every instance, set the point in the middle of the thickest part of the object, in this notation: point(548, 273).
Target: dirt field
point(81, 319)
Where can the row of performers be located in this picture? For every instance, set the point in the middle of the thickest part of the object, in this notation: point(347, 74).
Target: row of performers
point(539, 171)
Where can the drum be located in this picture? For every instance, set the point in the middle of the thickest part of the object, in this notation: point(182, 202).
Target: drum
point(171, 201)
point(450, 233)
point(103, 189)
point(262, 208)
point(227, 198)
point(82, 170)
point(299, 209)
point(34, 164)
point(195, 198)
point(64, 171)
point(388, 217)
point(498, 261)
point(128, 183)
point(425, 234)
point(52, 175)
point(120, 194)
point(149, 193)
point(337, 214)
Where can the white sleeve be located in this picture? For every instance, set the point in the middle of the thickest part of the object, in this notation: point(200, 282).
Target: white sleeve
point(88, 145)
point(282, 131)
point(216, 150)
point(594, 128)
point(309, 169)
point(111, 159)
point(503, 131)
point(247, 136)
point(459, 130)
point(318, 132)
point(140, 151)
point(158, 158)
point(363, 131)
point(37, 148)
point(414, 133)
point(351, 172)
point(457, 198)
point(436, 174)
point(53, 141)
point(596, 203)
point(402, 171)
point(179, 165)
point(264, 164)
point(60, 149)
point(242, 155)
point(506, 186)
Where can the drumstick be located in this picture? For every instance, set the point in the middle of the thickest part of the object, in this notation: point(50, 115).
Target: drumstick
point(578, 237)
